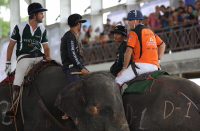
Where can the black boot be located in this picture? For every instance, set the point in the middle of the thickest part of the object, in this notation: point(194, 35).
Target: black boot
point(16, 90)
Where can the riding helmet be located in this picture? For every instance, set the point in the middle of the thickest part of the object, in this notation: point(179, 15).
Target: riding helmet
point(119, 29)
point(74, 19)
point(134, 15)
point(35, 8)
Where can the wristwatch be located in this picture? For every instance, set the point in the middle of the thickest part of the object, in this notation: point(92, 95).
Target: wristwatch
point(124, 67)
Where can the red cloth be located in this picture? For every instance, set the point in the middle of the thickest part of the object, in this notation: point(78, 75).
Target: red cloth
point(118, 84)
point(7, 80)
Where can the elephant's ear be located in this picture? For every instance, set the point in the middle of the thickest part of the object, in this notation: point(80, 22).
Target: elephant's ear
point(71, 99)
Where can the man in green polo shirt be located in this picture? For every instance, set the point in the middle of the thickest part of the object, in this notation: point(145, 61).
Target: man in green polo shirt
point(29, 36)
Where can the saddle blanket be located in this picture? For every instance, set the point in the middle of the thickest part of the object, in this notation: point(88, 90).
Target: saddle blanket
point(139, 87)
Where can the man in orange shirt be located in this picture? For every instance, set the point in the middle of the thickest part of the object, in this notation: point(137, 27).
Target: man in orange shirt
point(144, 46)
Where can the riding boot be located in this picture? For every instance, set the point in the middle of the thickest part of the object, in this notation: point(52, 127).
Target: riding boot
point(16, 90)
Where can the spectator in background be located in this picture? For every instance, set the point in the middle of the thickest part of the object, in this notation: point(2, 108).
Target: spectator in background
point(181, 9)
point(90, 36)
point(125, 23)
point(146, 22)
point(97, 32)
point(175, 16)
point(111, 36)
point(197, 6)
point(186, 8)
point(152, 18)
point(171, 9)
point(102, 38)
point(191, 17)
point(157, 22)
point(165, 18)
point(113, 26)
point(168, 8)
point(182, 18)
point(191, 11)
point(82, 35)
point(171, 20)
point(107, 27)
point(194, 12)
point(181, 3)
point(198, 10)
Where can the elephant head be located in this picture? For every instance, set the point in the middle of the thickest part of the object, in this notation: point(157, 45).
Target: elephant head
point(94, 103)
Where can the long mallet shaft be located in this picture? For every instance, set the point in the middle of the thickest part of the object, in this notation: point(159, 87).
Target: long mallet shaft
point(76, 73)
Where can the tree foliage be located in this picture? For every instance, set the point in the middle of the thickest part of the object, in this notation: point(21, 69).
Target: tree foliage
point(5, 27)
point(5, 3)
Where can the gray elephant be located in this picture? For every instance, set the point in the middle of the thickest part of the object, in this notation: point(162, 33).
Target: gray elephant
point(165, 108)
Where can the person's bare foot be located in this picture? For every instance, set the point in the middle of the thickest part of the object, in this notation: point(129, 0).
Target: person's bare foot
point(65, 116)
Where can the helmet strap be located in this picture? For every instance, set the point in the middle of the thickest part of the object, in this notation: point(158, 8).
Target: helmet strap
point(124, 37)
point(80, 26)
point(134, 23)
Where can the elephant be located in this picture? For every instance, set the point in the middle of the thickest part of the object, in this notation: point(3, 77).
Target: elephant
point(164, 108)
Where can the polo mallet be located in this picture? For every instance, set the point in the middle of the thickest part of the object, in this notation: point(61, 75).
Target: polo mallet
point(11, 97)
point(76, 73)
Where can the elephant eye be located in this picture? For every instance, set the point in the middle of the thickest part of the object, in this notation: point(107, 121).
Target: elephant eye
point(106, 111)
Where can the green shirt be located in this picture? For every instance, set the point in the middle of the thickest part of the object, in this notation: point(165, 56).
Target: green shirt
point(29, 41)
point(194, 12)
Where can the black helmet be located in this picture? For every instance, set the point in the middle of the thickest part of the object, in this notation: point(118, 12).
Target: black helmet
point(74, 19)
point(134, 15)
point(35, 8)
point(119, 29)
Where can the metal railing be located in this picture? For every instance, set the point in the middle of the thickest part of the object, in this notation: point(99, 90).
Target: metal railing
point(98, 53)
point(181, 38)
point(176, 38)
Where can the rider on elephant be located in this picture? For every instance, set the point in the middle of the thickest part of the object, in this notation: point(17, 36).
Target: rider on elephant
point(120, 37)
point(29, 36)
point(71, 49)
point(144, 47)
